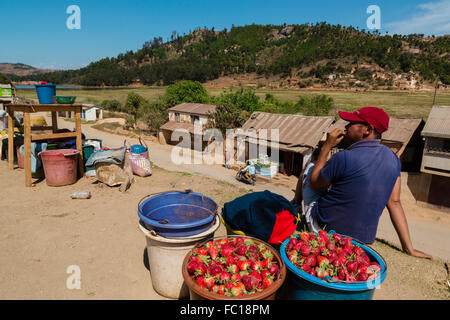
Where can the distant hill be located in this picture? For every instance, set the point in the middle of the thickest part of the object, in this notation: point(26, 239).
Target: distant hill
point(297, 56)
point(20, 69)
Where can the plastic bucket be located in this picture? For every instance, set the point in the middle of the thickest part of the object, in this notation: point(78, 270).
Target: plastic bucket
point(45, 92)
point(60, 166)
point(138, 149)
point(303, 286)
point(20, 161)
point(177, 213)
point(197, 293)
point(87, 152)
point(165, 256)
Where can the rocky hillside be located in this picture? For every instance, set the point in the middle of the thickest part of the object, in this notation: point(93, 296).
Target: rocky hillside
point(20, 69)
point(299, 56)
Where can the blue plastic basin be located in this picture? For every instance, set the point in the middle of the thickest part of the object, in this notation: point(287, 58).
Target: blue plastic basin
point(178, 214)
point(138, 149)
point(45, 92)
point(303, 286)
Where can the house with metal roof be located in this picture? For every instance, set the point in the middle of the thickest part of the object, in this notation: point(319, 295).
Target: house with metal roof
point(435, 179)
point(295, 134)
point(403, 138)
point(183, 117)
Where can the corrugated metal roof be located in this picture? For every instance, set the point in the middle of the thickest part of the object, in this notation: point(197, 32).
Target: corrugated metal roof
point(195, 108)
point(400, 130)
point(438, 123)
point(295, 131)
point(173, 125)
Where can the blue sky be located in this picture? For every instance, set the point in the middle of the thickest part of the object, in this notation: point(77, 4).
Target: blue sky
point(36, 31)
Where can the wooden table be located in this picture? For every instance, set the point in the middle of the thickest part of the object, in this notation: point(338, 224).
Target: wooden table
point(29, 136)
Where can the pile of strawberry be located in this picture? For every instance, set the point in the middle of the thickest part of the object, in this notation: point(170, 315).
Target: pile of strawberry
point(331, 255)
point(233, 266)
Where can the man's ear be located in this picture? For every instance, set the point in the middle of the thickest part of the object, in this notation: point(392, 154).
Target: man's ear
point(368, 130)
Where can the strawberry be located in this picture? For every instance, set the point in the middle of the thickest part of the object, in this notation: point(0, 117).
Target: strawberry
point(274, 269)
point(229, 285)
point(350, 278)
point(243, 265)
point(265, 273)
point(253, 256)
point(202, 251)
point(229, 260)
point(199, 280)
point(363, 260)
point(323, 234)
point(348, 250)
point(256, 275)
point(306, 267)
point(352, 266)
point(291, 243)
point(312, 237)
point(227, 250)
point(342, 274)
point(236, 277)
point(213, 252)
point(221, 290)
point(322, 242)
point(298, 245)
point(214, 269)
point(236, 291)
point(233, 268)
point(357, 250)
point(292, 256)
point(214, 288)
point(312, 273)
point(332, 256)
point(331, 246)
point(224, 276)
point(311, 260)
point(266, 254)
point(256, 265)
point(322, 272)
point(337, 237)
point(374, 267)
point(306, 250)
point(201, 269)
point(241, 250)
point(192, 266)
point(316, 251)
point(266, 263)
point(304, 236)
point(337, 263)
point(267, 282)
point(208, 281)
point(250, 282)
point(321, 260)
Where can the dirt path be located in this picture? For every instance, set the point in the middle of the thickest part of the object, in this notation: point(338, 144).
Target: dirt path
point(430, 229)
point(43, 232)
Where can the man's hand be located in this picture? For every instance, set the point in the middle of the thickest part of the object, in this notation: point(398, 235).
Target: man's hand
point(418, 254)
point(335, 137)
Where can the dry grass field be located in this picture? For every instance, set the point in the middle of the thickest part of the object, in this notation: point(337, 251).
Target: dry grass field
point(401, 104)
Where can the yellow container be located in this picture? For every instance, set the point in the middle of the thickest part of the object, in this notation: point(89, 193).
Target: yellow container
point(38, 121)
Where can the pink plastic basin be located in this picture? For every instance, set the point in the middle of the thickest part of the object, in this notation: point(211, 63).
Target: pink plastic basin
point(60, 166)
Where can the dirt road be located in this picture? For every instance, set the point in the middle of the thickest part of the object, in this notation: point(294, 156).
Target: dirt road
point(43, 232)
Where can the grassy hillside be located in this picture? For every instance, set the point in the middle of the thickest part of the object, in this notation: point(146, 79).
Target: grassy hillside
point(306, 53)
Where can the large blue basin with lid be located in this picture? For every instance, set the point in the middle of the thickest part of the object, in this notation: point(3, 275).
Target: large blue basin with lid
point(177, 213)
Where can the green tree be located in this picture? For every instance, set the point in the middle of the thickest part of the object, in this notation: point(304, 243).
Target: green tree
point(318, 105)
point(185, 91)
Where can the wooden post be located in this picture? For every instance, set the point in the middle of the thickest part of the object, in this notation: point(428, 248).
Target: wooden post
point(11, 139)
point(54, 121)
point(27, 146)
point(79, 139)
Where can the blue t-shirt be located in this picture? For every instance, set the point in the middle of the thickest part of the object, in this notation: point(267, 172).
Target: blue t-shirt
point(362, 178)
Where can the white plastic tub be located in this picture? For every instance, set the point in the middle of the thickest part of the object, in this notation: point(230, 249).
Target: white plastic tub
point(165, 257)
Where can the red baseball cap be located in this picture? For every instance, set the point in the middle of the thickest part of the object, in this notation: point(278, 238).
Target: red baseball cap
point(374, 116)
